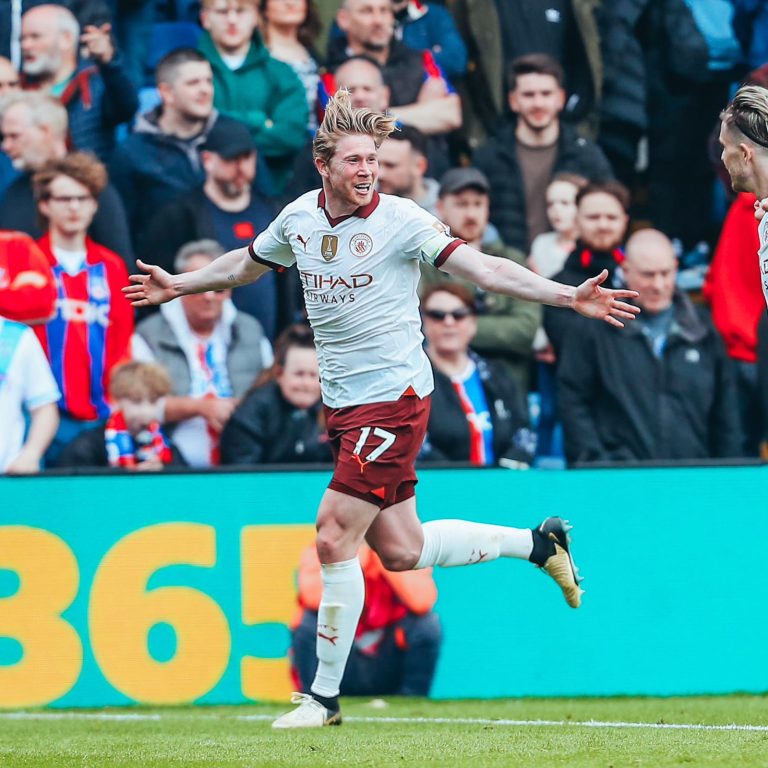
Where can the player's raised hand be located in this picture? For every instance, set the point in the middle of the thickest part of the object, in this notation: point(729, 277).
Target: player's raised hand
point(761, 206)
point(593, 301)
point(156, 287)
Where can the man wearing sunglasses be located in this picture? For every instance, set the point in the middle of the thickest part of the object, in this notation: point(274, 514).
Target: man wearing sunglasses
point(744, 139)
point(358, 255)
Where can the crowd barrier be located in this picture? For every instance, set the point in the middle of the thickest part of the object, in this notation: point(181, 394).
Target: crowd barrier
point(180, 588)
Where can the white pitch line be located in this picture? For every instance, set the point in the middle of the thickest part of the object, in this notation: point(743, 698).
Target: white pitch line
point(77, 716)
point(138, 717)
point(539, 723)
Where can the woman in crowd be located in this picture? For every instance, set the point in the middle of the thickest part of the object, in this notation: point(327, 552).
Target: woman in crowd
point(475, 415)
point(280, 420)
point(91, 329)
point(132, 439)
point(290, 29)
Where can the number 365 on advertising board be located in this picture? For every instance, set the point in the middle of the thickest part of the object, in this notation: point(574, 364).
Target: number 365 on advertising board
point(123, 607)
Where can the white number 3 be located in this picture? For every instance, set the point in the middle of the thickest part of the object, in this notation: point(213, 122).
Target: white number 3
point(388, 439)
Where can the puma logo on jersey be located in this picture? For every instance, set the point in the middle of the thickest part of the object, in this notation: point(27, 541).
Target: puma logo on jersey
point(303, 241)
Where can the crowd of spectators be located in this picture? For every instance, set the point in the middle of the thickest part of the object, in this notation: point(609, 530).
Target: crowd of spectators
point(571, 136)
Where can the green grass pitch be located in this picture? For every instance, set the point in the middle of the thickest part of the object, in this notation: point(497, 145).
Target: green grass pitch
point(406, 732)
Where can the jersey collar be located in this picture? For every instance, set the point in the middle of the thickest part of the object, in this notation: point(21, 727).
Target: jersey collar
point(362, 212)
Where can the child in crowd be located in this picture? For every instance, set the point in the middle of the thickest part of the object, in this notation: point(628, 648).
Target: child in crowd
point(550, 249)
point(132, 437)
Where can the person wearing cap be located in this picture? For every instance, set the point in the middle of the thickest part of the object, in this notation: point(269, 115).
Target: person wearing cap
point(505, 325)
point(226, 208)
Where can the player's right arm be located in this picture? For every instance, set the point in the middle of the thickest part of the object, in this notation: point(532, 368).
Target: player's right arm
point(158, 286)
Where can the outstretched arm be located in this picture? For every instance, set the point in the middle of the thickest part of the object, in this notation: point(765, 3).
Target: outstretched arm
point(158, 286)
point(504, 276)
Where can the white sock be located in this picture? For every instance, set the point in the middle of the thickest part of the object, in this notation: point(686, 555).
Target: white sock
point(458, 542)
point(337, 617)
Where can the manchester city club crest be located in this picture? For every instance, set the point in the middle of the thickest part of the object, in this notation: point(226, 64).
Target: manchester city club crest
point(329, 246)
point(361, 245)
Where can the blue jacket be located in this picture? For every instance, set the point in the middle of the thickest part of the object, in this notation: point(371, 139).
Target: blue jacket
point(151, 168)
point(430, 27)
point(98, 99)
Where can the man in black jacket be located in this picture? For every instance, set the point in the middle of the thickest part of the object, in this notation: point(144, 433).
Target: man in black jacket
point(601, 220)
point(660, 390)
point(522, 158)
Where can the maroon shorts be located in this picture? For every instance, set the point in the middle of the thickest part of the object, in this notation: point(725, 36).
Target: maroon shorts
point(375, 446)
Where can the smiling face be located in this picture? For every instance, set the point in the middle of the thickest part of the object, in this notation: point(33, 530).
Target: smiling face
point(190, 93)
point(350, 177)
point(299, 378)
point(537, 99)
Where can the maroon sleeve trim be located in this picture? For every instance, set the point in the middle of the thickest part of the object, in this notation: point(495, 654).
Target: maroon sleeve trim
point(447, 251)
point(271, 264)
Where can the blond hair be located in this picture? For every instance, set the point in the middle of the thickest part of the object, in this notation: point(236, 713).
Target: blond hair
point(748, 114)
point(342, 119)
point(137, 381)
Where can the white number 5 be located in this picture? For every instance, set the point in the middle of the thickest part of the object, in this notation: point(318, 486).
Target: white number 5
point(388, 439)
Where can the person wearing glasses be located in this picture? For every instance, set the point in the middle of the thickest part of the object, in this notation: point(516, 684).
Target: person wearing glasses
point(476, 414)
point(90, 332)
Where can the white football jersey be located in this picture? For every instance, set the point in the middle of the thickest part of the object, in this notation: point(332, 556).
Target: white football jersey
point(360, 275)
point(762, 229)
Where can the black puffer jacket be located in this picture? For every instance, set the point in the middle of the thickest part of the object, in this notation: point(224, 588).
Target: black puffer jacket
point(623, 109)
point(448, 433)
point(582, 264)
point(497, 159)
point(266, 429)
point(619, 402)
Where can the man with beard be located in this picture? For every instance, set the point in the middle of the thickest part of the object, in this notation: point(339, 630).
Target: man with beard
point(601, 223)
point(96, 91)
point(505, 325)
point(403, 167)
point(226, 208)
point(528, 151)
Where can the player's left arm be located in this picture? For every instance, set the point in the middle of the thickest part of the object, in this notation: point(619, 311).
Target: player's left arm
point(504, 276)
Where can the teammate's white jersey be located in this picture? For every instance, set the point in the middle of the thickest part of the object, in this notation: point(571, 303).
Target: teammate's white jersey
point(762, 229)
point(360, 275)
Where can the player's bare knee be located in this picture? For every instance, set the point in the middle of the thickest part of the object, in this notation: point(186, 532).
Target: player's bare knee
point(399, 558)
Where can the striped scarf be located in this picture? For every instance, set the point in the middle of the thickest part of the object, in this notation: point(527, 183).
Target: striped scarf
point(122, 450)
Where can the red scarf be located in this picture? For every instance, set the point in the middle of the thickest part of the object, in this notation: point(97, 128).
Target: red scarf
point(121, 445)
